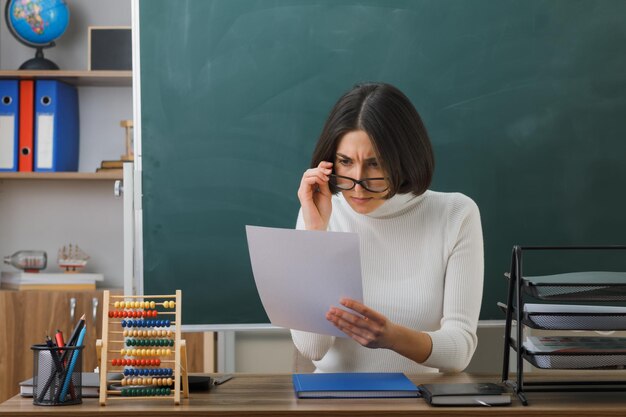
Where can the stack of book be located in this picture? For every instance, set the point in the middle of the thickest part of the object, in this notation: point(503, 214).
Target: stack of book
point(49, 281)
point(113, 166)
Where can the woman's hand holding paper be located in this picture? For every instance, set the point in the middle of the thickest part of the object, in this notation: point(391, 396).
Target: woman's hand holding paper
point(373, 330)
point(368, 327)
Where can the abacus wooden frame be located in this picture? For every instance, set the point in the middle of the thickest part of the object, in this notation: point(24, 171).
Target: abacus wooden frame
point(180, 372)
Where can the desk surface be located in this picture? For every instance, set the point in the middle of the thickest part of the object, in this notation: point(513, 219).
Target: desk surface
point(270, 395)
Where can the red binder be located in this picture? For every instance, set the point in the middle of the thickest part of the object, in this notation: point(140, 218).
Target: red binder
point(26, 126)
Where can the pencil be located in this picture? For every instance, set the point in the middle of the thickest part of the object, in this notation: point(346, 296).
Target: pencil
point(74, 337)
point(70, 369)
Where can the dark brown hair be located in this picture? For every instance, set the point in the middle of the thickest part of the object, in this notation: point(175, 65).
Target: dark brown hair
point(398, 135)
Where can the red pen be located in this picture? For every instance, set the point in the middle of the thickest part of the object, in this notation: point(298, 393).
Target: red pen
point(59, 338)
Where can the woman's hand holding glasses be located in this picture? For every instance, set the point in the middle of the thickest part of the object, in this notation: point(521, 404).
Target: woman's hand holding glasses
point(315, 196)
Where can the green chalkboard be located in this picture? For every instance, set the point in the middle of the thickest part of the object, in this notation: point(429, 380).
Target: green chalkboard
point(525, 102)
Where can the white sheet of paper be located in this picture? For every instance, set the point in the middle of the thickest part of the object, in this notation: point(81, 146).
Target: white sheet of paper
point(300, 274)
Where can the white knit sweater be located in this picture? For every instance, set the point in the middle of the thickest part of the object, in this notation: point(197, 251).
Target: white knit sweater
point(422, 267)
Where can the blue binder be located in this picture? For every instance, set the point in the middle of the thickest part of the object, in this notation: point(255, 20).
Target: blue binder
point(56, 126)
point(354, 385)
point(9, 122)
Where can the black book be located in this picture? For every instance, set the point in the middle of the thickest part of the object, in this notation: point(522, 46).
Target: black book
point(482, 394)
point(90, 385)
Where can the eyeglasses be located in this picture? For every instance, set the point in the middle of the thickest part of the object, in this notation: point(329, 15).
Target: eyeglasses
point(374, 185)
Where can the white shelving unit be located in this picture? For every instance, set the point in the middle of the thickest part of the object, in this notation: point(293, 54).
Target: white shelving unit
point(47, 210)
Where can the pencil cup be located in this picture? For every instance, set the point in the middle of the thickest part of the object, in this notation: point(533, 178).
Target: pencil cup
point(57, 376)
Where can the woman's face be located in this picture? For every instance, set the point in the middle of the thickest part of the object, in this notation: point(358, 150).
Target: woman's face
point(355, 158)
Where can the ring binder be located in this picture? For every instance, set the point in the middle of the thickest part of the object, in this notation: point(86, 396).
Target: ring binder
point(9, 104)
point(56, 126)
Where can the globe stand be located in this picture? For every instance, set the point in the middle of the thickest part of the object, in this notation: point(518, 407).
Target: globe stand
point(39, 62)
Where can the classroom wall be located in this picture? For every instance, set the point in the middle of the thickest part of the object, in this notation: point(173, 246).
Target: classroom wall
point(86, 213)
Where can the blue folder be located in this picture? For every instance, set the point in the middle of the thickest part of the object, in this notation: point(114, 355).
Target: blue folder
point(354, 385)
point(56, 126)
point(9, 122)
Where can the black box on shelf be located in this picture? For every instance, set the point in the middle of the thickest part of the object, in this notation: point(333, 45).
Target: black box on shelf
point(110, 48)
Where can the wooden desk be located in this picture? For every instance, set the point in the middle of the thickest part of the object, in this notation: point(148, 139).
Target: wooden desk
point(270, 395)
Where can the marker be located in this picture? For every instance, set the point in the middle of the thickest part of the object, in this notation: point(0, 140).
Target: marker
point(59, 339)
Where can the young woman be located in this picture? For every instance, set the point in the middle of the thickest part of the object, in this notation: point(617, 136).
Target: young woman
point(421, 251)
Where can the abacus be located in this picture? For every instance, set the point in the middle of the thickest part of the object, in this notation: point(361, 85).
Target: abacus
point(143, 349)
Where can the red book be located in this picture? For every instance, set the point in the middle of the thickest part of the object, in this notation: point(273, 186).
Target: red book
point(26, 126)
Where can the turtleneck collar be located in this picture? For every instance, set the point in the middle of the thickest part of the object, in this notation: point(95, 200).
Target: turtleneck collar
point(395, 206)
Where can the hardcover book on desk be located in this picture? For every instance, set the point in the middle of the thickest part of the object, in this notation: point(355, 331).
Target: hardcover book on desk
point(485, 394)
point(354, 385)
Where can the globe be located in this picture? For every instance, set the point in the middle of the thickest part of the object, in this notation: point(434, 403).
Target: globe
point(37, 23)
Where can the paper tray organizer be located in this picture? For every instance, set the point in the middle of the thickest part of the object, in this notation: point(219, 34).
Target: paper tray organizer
point(577, 287)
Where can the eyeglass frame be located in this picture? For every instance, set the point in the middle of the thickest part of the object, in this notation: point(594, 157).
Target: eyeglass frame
point(360, 182)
